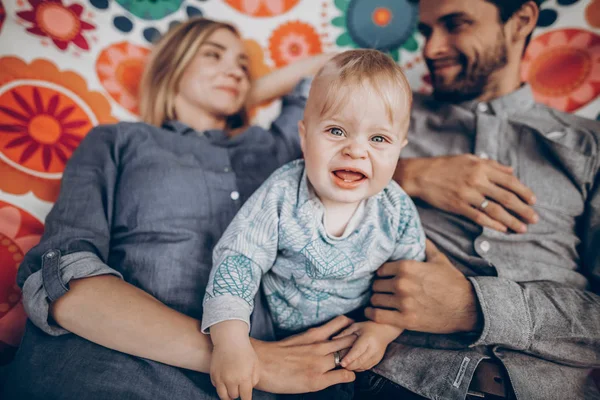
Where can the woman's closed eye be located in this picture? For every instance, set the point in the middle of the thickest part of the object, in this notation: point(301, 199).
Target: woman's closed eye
point(212, 54)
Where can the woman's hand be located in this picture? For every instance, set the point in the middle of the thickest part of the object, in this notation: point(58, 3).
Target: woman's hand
point(281, 81)
point(305, 362)
point(460, 184)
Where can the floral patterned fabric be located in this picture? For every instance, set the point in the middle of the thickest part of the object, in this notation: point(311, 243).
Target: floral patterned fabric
point(67, 65)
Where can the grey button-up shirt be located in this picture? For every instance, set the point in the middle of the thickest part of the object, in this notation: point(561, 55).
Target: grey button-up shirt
point(541, 320)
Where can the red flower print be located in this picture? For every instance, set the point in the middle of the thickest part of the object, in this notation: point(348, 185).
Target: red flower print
point(58, 22)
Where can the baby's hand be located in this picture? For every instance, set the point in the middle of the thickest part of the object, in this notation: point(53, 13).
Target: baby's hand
point(234, 367)
point(234, 370)
point(369, 348)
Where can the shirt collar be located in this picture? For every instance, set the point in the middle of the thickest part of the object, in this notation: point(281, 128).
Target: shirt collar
point(518, 100)
point(183, 129)
point(178, 127)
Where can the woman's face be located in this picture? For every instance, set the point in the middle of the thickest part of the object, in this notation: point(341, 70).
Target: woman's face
point(217, 79)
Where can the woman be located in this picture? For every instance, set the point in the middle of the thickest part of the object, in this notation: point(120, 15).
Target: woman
point(114, 289)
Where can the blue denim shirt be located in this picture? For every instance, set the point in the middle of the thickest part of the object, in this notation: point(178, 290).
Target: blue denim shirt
point(148, 204)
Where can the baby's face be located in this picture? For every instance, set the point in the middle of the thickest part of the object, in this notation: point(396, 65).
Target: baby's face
point(352, 154)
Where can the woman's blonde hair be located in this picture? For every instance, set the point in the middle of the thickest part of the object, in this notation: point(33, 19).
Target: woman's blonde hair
point(169, 59)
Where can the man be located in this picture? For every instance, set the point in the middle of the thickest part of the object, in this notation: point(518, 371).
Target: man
point(508, 190)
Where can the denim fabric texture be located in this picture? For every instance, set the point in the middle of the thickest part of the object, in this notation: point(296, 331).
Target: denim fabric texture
point(149, 204)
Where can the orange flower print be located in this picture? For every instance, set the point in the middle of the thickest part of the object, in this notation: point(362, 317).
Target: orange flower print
point(45, 127)
point(62, 24)
point(563, 68)
point(293, 41)
point(19, 232)
point(119, 68)
point(44, 115)
point(262, 8)
point(592, 15)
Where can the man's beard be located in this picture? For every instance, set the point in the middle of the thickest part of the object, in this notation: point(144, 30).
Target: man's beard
point(472, 79)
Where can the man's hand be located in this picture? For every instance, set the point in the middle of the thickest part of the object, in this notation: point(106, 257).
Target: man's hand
point(305, 362)
point(369, 348)
point(459, 184)
point(431, 296)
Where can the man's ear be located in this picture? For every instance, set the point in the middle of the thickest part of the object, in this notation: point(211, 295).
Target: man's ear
point(302, 133)
point(524, 21)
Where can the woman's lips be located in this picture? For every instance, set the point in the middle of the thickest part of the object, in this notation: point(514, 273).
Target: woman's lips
point(234, 92)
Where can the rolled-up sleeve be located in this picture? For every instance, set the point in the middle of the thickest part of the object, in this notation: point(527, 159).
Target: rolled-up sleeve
point(550, 320)
point(285, 126)
point(76, 238)
point(43, 287)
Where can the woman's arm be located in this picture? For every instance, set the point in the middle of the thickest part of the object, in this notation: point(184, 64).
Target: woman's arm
point(109, 311)
point(115, 314)
point(283, 80)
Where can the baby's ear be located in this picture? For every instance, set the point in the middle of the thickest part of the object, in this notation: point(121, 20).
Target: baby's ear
point(302, 133)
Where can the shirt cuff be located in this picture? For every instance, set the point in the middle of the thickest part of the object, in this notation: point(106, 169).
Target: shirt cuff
point(36, 300)
point(225, 308)
point(300, 91)
point(506, 319)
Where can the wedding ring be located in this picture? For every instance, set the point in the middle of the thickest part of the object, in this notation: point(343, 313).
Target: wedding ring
point(336, 358)
point(484, 204)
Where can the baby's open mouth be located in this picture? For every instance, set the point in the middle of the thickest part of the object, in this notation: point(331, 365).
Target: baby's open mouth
point(349, 176)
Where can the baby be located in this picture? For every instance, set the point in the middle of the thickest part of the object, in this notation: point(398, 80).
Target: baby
point(317, 230)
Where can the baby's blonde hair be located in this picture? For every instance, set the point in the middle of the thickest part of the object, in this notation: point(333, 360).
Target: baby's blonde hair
point(360, 67)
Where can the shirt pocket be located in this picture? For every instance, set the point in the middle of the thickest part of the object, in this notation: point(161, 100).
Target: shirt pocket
point(162, 188)
point(556, 173)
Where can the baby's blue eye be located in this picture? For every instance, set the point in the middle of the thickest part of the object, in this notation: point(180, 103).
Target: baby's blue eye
point(336, 131)
point(378, 139)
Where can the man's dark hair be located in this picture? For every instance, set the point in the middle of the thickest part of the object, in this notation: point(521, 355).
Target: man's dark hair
point(508, 8)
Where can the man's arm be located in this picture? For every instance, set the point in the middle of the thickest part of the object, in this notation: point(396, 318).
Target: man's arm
point(546, 319)
point(459, 184)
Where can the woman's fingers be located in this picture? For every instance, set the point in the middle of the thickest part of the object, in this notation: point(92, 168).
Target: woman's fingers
point(321, 333)
point(333, 377)
point(334, 345)
point(348, 331)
